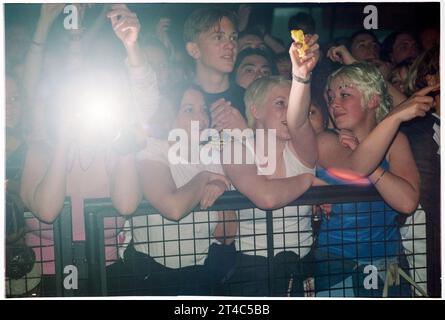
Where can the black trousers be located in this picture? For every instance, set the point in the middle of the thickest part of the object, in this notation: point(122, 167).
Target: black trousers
point(254, 276)
point(139, 274)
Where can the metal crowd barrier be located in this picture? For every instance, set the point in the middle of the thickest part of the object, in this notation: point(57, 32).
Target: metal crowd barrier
point(89, 256)
point(97, 210)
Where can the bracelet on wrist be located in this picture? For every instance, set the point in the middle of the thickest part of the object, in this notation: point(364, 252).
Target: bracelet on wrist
point(380, 177)
point(302, 80)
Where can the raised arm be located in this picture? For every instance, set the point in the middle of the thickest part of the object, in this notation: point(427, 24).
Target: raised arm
point(142, 77)
point(302, 133)
point(34, 57)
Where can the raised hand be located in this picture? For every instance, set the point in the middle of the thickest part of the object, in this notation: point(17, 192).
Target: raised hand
point(348, 139)
point(416, 106)
point(302, 66)
point(50, 11)
point(162, 28)
point(125, 24)
point(341, 55)
point(214, 189)
point(244, 12)
point(225, 116)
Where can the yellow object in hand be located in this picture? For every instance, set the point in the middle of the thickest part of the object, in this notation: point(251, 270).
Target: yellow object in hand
point(298, 37)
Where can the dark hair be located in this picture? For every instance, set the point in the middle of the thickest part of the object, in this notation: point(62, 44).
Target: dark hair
point(255, 31)
point(160, 123)
point(388, 43)
point(254, 52)
point(202, 20)
point(318, 101)
point(360, 32)
point(429, 65)
point(302, 21)
point(282, 56)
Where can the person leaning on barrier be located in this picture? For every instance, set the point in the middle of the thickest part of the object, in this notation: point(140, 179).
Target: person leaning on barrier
point(424, 138)
point(177, 252)
point(21, 271)
point(267, 100)
point(374, 153)
point(74, 156)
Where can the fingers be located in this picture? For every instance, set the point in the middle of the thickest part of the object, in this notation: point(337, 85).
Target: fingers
point(221, 112)
point(220, 108)
point(223, 179)
point(334, 54)
point(211, 193)
point(223, 117)
point(311, 40)
point(216, 104)
point(423, 99)
point(349, 142)
point(426, 90)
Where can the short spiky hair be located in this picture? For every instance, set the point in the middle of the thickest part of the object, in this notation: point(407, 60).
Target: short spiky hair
point(202, 20)
point(369, 81)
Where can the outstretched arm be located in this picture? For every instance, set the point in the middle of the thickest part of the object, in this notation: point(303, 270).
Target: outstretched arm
point(142, 77)
point(34, 57)
point(302, 133)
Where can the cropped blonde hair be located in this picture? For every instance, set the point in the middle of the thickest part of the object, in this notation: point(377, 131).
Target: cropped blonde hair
point(257, 91)
point(369, 81)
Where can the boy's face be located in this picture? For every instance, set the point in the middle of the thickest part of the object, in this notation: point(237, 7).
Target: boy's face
point(217, 48)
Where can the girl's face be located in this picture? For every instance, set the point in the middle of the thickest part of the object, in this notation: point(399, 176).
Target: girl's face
point(273, 113)
point(13, 106)
point(398, 77)
point(192, 108)
point(345, 104)
point(316, 119)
